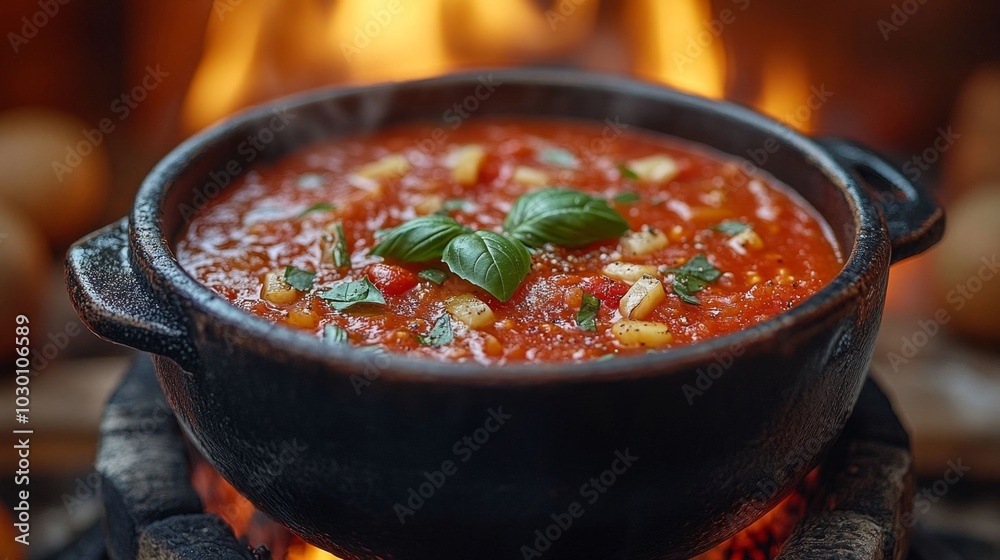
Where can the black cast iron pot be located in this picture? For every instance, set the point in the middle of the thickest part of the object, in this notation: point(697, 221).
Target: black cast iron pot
point(365, 454)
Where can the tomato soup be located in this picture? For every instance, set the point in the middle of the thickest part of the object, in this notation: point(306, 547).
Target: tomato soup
point(511, 240)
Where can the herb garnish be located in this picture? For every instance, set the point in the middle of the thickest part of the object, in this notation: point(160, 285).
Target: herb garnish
point(420, 239)
point(627, 173)
point(731, 227)
point(586, 318)
point(626, 198)
point(564, 217)
point(348, 294)
point(433, 275)
point(494, 262)
point(559, 158)
point(332, 334)
point(440, 333)
point(301, 280)
point(318, 207)
point(341, 257)
point(692, 277)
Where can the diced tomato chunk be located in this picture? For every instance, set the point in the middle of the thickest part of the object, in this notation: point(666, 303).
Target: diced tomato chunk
point(609, 291)
point(391, 280)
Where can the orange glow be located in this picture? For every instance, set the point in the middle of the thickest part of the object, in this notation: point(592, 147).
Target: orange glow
point(785, 91)
point(674, 45)
point(308, 552)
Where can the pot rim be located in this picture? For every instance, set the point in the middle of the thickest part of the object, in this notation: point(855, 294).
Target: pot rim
point(152, 249)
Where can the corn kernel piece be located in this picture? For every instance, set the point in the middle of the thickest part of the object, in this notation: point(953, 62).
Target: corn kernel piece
point(744, 239)
point(642, 298)
point(390, 167)
point(465, 163)
point(276, 290)
point(647, 334)
point(470, 310)
point(529, 176)
point(645, 242)
point(655, 169)
point(305, 318)
point(628, 272)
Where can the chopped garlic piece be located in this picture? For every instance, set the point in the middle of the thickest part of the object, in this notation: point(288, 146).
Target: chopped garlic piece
point(642, 298)
point(642, 333)
point(640, 243)
point(390, 167)
point(471, 311)
point(530, 176)
point(277, 290)
point(465, 162)
point(656, 169)
point(628, 272)
point(744, 239)
point(429, 204)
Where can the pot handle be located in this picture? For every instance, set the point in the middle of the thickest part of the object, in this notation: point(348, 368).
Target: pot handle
point(914, 219)
point(114, 299)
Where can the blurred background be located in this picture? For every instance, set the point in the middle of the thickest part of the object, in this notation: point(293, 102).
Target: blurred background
point(92, 94)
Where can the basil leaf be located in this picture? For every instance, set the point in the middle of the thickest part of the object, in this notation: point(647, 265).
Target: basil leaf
point(420, 239)
point(586, 318)
point(318, 207)
point(440, 333)
point(564, 217)
point(731, 227)
point(489, 260)
point(626, 198)
point(341, 257)
point(692, 277)
point(627, 173)
point(455, 204)
point(332, 334)
point(433, 275)
point(348, 294)
point(301, 280)
point(559, 158)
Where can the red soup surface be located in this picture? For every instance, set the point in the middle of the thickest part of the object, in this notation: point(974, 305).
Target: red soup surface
point(511, 240)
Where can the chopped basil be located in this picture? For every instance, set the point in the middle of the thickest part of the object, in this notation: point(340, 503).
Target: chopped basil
point(348, 294)
point(332, 334)
point(564, 217)
point(455, 204)
point(433, 275)
point(341, 257)
point(440, 333)
point(558, 157)
point(731, 227)
point(420, 239)
point(301, 280)
point(626, 198)
point(586, 318)
point(627, 173)
point(318, 207)
point(692, 277)
point(489, 260)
